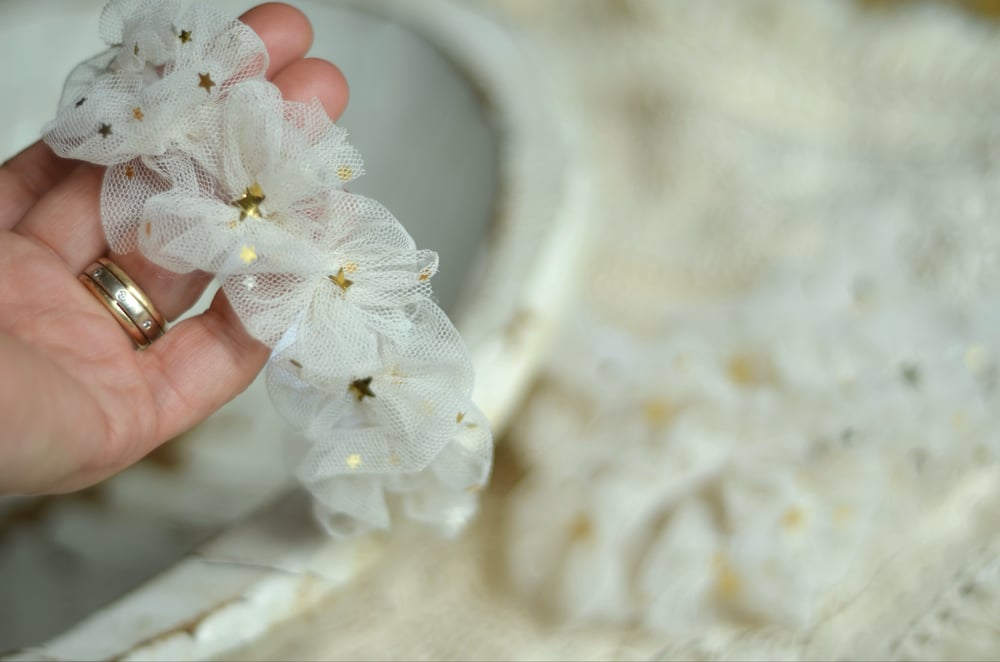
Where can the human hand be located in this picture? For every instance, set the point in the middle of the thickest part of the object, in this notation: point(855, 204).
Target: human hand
point(78, 403)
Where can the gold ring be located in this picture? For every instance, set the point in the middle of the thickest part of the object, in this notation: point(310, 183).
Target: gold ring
point(127, 303)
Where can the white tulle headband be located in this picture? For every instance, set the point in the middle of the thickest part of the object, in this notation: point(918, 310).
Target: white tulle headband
point(209, 169)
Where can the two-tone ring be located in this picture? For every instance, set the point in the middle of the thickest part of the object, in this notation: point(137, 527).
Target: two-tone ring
point(128, 304)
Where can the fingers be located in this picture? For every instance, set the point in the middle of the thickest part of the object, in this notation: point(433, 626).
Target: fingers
point(174, 293)
point(201, 364)
point(285, 30)
point(65, 220)
point(26, 177)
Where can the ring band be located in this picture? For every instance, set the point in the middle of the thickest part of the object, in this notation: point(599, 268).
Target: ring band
point(129, 305)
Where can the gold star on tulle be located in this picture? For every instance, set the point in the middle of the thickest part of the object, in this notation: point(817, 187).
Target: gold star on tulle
point(129, 171)
point(138, 114)
point(248, 255)
point(340, 280)
point(184, 36)
point(362, 388)
point(249, 202)
point(105, 130)
point(353, 461)
point(206, 82)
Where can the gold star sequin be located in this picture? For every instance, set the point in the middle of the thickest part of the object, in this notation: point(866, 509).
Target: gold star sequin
point(728, 583)
point(105, 130)
point(425, 274)
point(295, 363)
point(460, 417)
point(248, 254)
point(249, 203)
point(340, 280)
point(129, 171)
point(206, 82)
point(581, 528)
point(350, 267)
point(184, 36)
point(793, 518)
point(138, 114)
point(658, 412)
point(344, 173)
point(353, 461)
point(362, 388)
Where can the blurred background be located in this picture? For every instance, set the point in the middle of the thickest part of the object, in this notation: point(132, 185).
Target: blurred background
point(749, 254)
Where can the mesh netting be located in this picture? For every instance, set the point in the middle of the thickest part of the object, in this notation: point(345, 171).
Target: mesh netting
point(209, 169)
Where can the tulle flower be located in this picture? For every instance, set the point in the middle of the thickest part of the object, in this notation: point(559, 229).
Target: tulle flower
point(141, 96)
point(211, 170)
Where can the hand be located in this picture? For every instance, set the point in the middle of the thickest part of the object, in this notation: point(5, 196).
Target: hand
point(77, 402)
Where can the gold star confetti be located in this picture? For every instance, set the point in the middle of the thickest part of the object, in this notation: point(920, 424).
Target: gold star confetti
point(138, 114)
point(206, 82)
point(793, 518)
point(248, 255)
point(362, 388)
point(728, 584)
point(295, 363)
point(340, 280)
point(184, 36)
point(105, 130)
point(581, 528)
point(129, 171)
point(353, 461)
point(460, 417)
point(350, 267)
point(344, 173)
point(659, 412)
point(751, 371)
point(425, 274)
point(249, 203)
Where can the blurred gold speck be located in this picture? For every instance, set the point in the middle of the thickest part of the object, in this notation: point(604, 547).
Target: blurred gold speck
point(659, 412)
point(728, 584)
point(748, 370)
point(793, 518)
point(581, 528)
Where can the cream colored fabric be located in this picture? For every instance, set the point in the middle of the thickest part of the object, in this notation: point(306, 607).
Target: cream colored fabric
point(769, 427)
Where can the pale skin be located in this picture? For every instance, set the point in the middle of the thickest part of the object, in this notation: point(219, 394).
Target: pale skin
point(78, 403)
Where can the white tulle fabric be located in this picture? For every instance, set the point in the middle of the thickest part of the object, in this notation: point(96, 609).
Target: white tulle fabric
point(209, 169)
